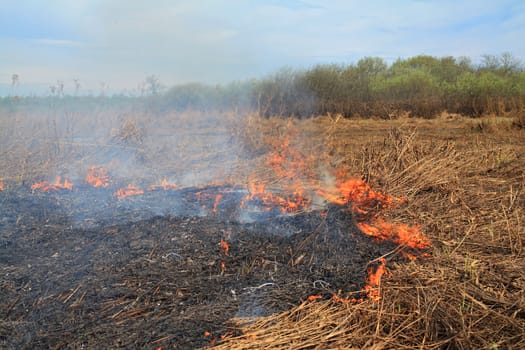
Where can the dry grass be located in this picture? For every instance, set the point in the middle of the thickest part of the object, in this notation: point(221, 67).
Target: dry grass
point(463, 178)
point(467, 190)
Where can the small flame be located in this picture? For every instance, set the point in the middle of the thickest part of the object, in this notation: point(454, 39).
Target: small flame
point(360, 195)
point(293, 203)
point(98, 177)
point(225, 247)
point(402, 234)
point(130, 190)
point(164, 185)
point(374, 280)
point(312, 298)
point(216, 203)
point(342, 300)
point(226, 335)
point(1, 185)
point(58, 185)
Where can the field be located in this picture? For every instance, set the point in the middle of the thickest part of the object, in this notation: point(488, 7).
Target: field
point(462, 181)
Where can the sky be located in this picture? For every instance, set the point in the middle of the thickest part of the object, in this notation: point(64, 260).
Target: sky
point(118, 43)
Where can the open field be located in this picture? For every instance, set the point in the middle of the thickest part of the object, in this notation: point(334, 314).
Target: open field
point(463, 180)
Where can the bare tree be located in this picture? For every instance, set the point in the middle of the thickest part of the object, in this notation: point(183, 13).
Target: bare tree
point(15, 80)
point(153, 85)
point(509, 63)
point(77, 85)
point(60, 88)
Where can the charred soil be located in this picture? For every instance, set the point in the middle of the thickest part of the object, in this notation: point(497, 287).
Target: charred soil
point(166, 280)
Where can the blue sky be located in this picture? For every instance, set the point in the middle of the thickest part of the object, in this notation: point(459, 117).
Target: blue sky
point(120, 42)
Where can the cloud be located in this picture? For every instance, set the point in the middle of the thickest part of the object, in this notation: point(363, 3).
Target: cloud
point(216, 41)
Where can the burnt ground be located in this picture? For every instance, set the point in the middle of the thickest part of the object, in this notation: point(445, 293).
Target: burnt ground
point(82, 269)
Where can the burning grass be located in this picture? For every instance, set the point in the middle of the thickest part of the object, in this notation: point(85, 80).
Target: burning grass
point(444, 184)
point(470, 293)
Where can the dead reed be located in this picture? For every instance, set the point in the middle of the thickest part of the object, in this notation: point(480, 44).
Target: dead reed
point(467, 191)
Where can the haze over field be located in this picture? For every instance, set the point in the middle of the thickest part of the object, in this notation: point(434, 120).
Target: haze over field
point(119, 43)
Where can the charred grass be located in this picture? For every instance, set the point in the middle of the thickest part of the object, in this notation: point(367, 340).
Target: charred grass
point(464, 183)
point(465, 187)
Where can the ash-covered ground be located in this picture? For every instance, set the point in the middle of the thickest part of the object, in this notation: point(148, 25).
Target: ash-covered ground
point(83, 269)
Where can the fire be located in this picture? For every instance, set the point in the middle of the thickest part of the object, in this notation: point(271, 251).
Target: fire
point(98, 177)
point(294, 202)
point(58, 185)
point(312, 298)
point(365, 204)
point(374, 280)
point(1, 185)
point(216, 203)
point(402, 234)
point(225, 247)
point(130, 190)
point(341, 300)
point(164, 185)
point(360, 195)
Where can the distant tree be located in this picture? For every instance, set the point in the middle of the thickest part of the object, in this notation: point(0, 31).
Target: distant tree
point(76, 81)
point(152, 85)
point(15, 80)
point(60, 88)
point(510, 64)
point(490, 62)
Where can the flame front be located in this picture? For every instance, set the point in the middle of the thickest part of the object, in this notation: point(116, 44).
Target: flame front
point(1, 185)
point(130, 190)
point(58, 185)
point(164, 185)
point(98, 177)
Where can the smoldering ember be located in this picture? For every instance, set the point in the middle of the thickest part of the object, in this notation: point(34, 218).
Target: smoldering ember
point(103, 259)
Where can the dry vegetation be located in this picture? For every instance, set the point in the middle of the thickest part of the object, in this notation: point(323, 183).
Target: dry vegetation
point(463, 178)
point(465, 184)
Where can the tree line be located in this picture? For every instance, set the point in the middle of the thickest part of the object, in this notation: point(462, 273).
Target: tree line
point(422, 86)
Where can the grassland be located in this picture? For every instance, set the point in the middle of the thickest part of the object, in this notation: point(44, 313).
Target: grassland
point(463, 179)
point(465, 185)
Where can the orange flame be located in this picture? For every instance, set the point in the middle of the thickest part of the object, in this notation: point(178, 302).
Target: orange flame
point(98, 177)
point(223, 267)
point(225, 247)
point(365, 203)
point(374, 280)
point(164, 185)
point(227, 334)
point(257, 191)
point(128, 191)
point(341, 300)
point(312, 298)
point(58, 185)
point(402, 234)
point(360, 194)
point(216, 203)
point(1, 185)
